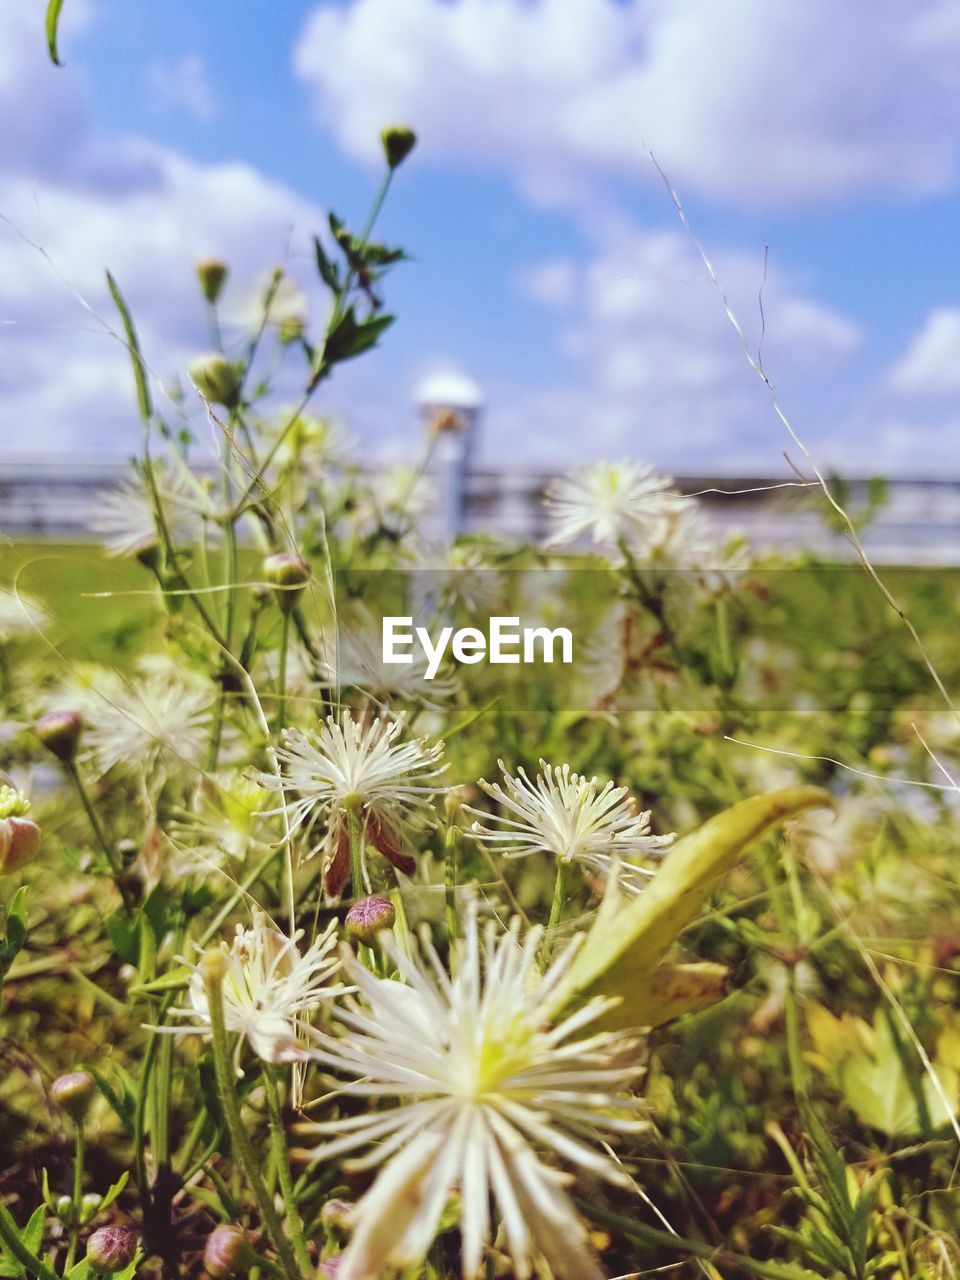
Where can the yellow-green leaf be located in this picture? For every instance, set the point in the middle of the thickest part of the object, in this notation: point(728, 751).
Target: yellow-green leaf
point(53, 20)
point(628, 939)
point(675, 989)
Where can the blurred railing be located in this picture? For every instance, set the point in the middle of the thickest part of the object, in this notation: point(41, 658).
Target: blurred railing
point(919, 523)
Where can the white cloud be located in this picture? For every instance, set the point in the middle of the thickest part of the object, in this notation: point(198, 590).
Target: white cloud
point(929, 368)
point(91, 202)
point(744, 101)
point(662, 372)
point(184, 85)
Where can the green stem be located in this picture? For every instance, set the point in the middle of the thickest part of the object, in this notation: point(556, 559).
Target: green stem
point(282, 673)
point(560, 885)
point(111, 855)
point(10, 1236)
point(78, 1162)
point(212, 968)
point(355, 836)
point(278, 1138)
point(451, 866)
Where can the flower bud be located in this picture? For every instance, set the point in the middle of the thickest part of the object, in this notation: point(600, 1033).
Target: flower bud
point(64, 1210)
point(19, 842)
point(398, 142)
point(212, 275)
point(90, 1206)
point(217, 379)
point(369, 917)
point(227, 1253)
point(111, 1249)
point(73, 1093)
point(289, 574)
point(336, 1217)
point(59, 731)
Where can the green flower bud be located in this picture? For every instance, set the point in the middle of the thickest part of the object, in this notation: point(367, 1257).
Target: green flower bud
point(368, 918)
point(111, 1249)
point(398, 142)
point(59, 731)
point(212, 275)
point(73, 1093)
point(227, 1253)
point(90, 1206)
point(217, 379)
point(64, 1210)
point(288, 573)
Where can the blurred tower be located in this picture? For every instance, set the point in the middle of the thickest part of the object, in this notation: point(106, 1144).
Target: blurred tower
point(450, 404)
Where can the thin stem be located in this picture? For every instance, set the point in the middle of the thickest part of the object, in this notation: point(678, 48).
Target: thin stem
point(278, 1139)
point(212, 968)
point(111, 855)
point(560, 886)
point(355, 836)
point(78, 1161)
point(247, 883)
point(451, 867)
point(282, 672)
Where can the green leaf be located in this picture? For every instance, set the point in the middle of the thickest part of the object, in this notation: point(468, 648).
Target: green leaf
point(348, 338)
point(133, 346)
point(123, 1099)
point(675, 989)
point(628, 939)
point(32, 1236)
point(176, 980)
point(53, 22)
point(328, 270)
point(124, 933)
point(16, 936)
point(114, 1191)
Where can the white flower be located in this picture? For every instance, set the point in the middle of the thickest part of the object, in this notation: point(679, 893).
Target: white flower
point(362, 766)
point(612, 502)
point(357, 661)
point(270, 989)
point(572, 818)
point(125, 518)
point(485, 1077)
point(225, 820)
point(158, 719)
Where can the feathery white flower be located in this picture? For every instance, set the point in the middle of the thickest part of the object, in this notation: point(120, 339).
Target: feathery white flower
point(270, 989)
point(486, 1076)
point(152, 720)
point(125, 518)
point(362, 766)
point(572, 818)
point(357, 661)
point(224, 821)
point(613, 502)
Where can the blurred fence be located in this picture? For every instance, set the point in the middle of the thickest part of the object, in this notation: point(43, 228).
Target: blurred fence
point(919, 524)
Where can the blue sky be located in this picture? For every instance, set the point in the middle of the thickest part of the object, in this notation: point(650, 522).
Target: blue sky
point(547, 261)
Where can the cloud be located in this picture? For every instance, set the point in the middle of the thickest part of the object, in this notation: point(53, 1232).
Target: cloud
point(184, 85)
point(929, 368)
point(75, 202)
point(746, 102)
point(662, 370)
